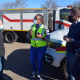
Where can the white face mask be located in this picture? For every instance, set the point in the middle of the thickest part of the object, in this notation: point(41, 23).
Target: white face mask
point(35, 21)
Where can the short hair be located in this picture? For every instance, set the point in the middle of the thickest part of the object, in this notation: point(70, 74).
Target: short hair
point(76, 10)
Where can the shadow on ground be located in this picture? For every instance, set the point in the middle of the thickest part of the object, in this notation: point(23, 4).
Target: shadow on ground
point(19, 63)
point(6, 77)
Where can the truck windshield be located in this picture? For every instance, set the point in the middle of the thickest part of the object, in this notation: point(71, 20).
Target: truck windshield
point(64, 13)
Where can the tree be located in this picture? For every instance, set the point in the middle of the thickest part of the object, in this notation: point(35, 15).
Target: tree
point(7, 5)
point(0, 7)
point(79, 4)
point(49, 4)
point(20, 3)
point(15, 4)
point(76, 4)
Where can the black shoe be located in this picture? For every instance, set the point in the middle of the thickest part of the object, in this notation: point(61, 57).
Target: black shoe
point(34, 74)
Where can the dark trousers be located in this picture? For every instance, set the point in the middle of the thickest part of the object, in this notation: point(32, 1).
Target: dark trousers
point(36, 58)
point(76, 68)
point(1, 67)
point(70, 60)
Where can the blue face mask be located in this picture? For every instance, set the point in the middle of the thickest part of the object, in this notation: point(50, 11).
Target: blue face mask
point(35, 21)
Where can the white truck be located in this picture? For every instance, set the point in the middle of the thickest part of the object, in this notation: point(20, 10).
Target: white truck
point(18, 21)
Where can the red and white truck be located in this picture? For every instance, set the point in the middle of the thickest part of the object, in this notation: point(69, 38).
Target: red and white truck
point(18, 21)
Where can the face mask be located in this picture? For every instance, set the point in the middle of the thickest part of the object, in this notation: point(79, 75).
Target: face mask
point(70, 18)
point(35, 21)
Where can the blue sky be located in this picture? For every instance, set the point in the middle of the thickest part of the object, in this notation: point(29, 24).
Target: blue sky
point(37, 3)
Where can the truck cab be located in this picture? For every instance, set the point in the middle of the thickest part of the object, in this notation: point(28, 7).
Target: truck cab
point(59, 18)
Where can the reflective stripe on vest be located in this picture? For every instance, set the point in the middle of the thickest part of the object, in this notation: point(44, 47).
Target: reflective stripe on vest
point(36, 39)
point(43, 30)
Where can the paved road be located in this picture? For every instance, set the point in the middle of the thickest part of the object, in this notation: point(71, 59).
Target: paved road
point(17, 63)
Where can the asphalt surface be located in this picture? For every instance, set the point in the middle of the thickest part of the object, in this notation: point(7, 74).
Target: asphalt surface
point(17, 63)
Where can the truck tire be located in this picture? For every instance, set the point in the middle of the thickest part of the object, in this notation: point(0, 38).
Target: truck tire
point(63, 69)
point(9, 37)
point(15, 36)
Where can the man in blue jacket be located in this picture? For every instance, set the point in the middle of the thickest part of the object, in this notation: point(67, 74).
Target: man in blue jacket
point(72, 41)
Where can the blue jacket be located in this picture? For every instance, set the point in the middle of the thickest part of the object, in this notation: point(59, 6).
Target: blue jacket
point(74, 33)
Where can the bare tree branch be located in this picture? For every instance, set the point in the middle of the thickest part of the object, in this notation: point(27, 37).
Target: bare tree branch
point(49, 4)
point(76, 4)
point(7, 5)
point(79, 4)
point(15, 4)
point(20, 3)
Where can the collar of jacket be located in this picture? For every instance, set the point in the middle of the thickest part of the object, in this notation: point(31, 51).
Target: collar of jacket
point(38, 25)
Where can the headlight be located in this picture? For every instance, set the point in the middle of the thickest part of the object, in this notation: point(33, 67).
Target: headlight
point(54, 45)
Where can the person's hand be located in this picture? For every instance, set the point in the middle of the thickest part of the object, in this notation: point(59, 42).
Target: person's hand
point(67, 39)
point(64, 37)
point(39, 35)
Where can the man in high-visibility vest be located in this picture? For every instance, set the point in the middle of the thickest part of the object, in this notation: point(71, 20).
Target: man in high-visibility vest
point(38, 45)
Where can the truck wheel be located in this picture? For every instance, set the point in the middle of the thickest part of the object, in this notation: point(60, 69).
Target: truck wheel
point(63, 69)
point(15, 36)
point(9, 37)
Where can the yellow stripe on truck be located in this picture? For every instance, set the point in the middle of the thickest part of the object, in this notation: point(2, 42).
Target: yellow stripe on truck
point(26, 9)
point(15, 30)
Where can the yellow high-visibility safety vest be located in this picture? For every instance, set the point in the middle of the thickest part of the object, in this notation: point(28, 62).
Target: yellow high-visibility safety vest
point(37, 42)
